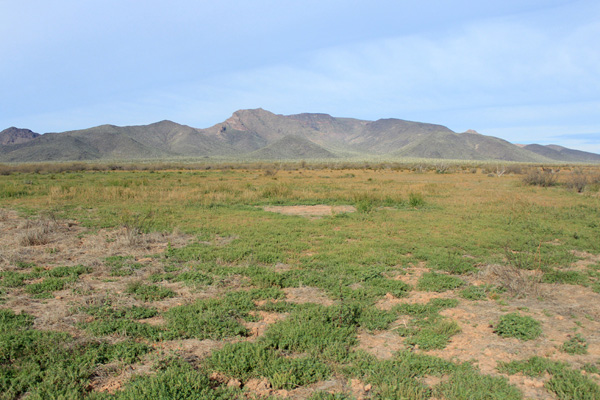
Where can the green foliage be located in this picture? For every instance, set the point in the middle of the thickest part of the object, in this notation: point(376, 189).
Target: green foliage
point(518, 326)
point(591, 368)
point(246, 360)
point(46, 286)
point(566, 277)
point(178, 381)
point(47, 364)
point(535, 366)
point(11, 322)
point(365, 205)
point(466, 383)
point(434, 282)
point(398, 378)
point(149, 292)
point(575, 345)
point(12, 279)
point(353, 259)
point(477, 292)
point(121, 322)
point(416, 199)
point(56, 278)
point(217, 318)
point(327, 332)
point(566, 383)
point(572, 385)
point(136, 312)
point(122, 265)
point(427, 329)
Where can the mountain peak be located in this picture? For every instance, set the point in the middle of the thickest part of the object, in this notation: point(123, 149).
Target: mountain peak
point(258, 133)
point(15, 135)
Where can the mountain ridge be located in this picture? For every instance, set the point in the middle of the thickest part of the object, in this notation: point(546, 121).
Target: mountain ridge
point(261, 134)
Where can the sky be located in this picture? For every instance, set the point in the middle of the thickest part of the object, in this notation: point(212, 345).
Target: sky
point(527, 71)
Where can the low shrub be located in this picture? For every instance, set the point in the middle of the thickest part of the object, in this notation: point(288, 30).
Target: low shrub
point(544, 178)
point(518, 326)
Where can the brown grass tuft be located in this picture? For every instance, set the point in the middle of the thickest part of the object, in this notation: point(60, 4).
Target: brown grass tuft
point(37, 232)
point(517, 282)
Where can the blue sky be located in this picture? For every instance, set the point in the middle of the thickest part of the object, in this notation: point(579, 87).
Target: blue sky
point(527, 71)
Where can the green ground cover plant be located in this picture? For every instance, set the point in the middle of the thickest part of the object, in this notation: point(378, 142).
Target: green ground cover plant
point(575, 345)
point(565, 382)
point(434, 282)
point(254, 360)
point(47, 364)
point(154, 268)
point(149, 292)
point(518, 326)
point(428, 329)
point(466, 383)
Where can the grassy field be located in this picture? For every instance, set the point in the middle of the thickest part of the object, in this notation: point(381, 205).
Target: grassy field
point(299, 281)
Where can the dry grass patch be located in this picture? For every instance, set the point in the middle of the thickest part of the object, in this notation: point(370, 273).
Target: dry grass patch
point(517, 282)
point(310, 211)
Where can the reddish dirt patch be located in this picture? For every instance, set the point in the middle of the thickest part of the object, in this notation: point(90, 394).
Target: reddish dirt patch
point(267, 318)
point(413, 274)
point(310, 211)
point(382, 345)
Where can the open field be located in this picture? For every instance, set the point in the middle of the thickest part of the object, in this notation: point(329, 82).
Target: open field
point(420, 282)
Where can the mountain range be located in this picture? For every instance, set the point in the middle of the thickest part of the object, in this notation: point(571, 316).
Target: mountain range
point(261, 135)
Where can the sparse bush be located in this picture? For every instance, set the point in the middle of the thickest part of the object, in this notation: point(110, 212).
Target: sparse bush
point(518, 326)
point(545, 178)
point(416, 199)
point(577, 180)
point(364, 206)
point(515, 281)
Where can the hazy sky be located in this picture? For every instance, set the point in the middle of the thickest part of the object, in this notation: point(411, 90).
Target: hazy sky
point(527, 70)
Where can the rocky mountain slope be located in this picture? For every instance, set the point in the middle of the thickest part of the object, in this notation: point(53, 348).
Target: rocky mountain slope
point(260, 134)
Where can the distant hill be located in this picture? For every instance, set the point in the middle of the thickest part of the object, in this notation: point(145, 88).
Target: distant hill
point(14, 135)
point(559, 153)
point(291, 148)
point(260, 134)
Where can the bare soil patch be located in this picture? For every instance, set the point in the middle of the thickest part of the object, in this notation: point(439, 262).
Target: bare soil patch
point(51, 242)
point(307, 294)
point(267, 318)
point(310, 211)
point(382, 345)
